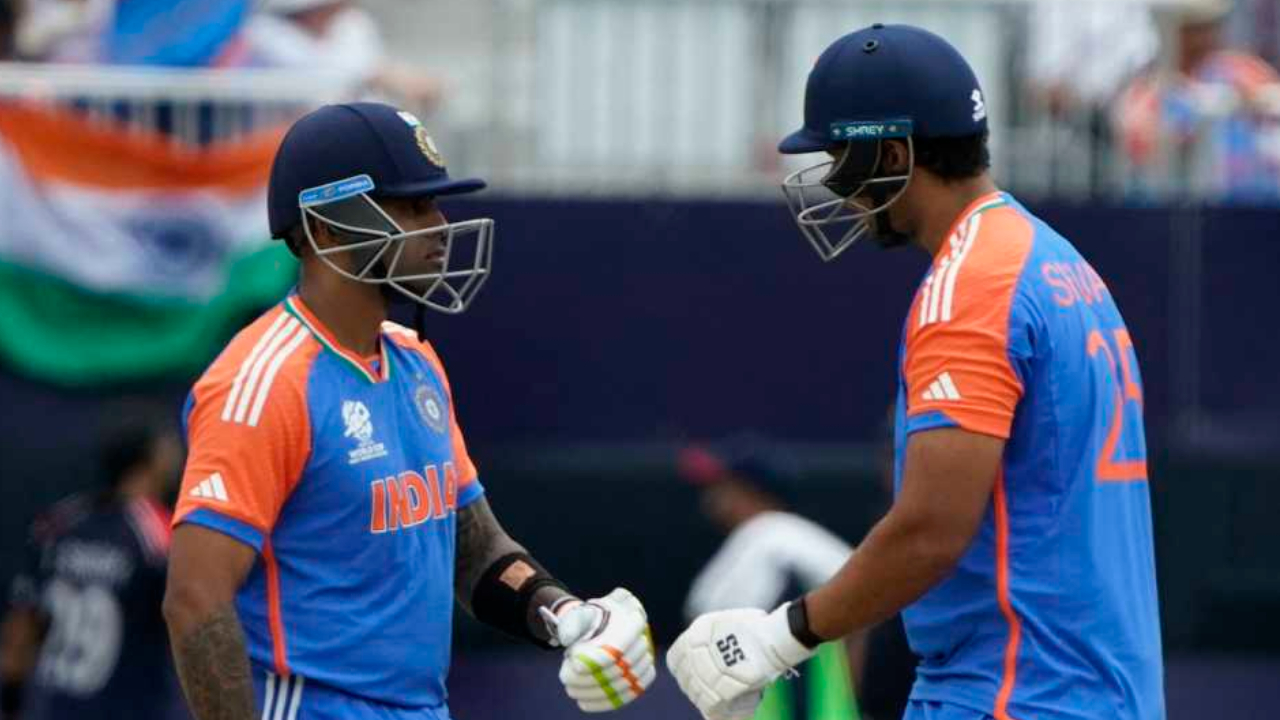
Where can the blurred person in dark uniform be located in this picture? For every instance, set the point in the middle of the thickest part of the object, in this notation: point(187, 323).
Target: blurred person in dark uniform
point(83, 637)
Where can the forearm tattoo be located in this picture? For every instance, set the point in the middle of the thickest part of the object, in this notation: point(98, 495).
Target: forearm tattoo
point(481, 542)
point(213, 666)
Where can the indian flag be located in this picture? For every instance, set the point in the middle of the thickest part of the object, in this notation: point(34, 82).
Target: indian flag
point(123, 254)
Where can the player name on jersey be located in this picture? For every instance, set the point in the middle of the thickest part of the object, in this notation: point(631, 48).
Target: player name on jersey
point(1074, 282)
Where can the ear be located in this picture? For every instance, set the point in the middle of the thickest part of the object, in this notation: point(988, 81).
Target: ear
point(320, 232)
point(896, 158)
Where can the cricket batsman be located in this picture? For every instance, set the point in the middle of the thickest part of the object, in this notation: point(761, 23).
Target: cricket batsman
point(1019, 543)
point(330, 514)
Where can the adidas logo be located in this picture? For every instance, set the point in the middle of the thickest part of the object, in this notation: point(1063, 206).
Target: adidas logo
point(211, 488)
point(942, 389)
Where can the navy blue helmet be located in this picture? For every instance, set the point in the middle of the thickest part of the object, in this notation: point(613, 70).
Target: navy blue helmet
point(878, 83)
point(334, 166)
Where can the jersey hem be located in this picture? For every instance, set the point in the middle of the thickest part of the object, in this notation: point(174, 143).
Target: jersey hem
point(469, 494)
point(934, 419)
point(929, 420)
point(226, 525)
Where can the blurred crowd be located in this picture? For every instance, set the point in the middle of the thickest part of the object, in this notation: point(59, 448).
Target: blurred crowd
point(1183, 95)
point(1139, 98)
point(334, 37)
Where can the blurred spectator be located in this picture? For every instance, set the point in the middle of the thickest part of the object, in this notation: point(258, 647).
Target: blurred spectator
point(1256, 24)
point(770, 555)
point(83, 637)
point(1205, 118)
point(174, 33)
point(180, 33)
point(1080, 55)
point(8, 28)
point(339, 38)
point(63, 30)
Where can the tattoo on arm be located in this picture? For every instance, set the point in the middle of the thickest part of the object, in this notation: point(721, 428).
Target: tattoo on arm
point(481, 542)
point(213, 666)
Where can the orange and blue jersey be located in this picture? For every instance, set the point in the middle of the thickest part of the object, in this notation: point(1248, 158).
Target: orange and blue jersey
point(1052, 610)
point(344, 473)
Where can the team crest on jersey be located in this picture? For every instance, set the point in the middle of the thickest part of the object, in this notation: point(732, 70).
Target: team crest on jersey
point(430, 406)
point(359, 424)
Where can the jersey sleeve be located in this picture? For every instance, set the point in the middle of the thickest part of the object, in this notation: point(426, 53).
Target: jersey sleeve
point(469, 487)
point(242, 466)
point(958, 370)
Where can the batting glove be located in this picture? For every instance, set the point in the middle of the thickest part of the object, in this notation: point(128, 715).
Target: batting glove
point(724, 661)
point(608, 657)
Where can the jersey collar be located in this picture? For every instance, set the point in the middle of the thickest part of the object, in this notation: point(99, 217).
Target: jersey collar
point(295, 307)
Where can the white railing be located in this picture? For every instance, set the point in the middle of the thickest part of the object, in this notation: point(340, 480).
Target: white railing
point(189, 106)
point(660, 97)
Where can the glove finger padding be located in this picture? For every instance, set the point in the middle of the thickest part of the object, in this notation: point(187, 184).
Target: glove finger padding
point(600, 699)
point(575, 670)
point(608, 670)
point(612, 663)
point(615, 677)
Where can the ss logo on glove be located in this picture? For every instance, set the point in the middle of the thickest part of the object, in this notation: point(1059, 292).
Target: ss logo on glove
point(730, 652)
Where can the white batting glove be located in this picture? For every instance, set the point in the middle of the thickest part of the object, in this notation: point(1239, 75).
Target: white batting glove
point(724, 661)
point(608, 657)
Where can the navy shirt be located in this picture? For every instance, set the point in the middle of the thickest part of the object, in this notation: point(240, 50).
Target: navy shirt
point(96, 574)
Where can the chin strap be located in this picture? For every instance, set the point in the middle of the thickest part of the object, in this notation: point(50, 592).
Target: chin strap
point(420, 319)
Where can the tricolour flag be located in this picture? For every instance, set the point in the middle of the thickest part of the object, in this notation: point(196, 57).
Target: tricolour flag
point(124, 255)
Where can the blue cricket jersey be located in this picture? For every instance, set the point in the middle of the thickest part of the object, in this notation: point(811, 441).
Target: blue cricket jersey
point(345, 474)
point(1052, 611)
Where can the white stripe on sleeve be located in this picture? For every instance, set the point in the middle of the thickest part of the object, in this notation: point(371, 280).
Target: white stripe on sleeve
point(248, 362)
point(949, 288)
point(255, 373)
point(265, 387)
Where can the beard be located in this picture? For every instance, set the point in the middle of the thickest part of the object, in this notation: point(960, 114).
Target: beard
point(882, 232)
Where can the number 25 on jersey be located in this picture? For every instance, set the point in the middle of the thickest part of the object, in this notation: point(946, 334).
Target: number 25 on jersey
point(1106, 347)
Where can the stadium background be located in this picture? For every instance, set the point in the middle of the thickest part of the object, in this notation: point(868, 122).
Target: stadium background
point(650, 289)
